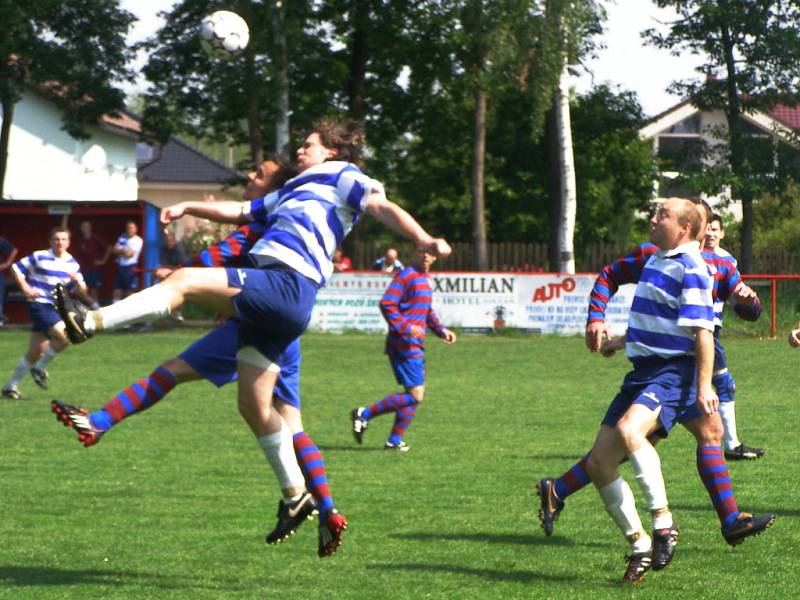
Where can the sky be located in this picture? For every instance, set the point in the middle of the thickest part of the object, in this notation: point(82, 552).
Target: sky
point(625, 61)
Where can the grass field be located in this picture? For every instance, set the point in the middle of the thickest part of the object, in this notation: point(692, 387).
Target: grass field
point(174, 503)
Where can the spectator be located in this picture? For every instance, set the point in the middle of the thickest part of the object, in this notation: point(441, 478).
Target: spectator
point(341, 262)
point(7, 255)
point(92, 254)
point(171, 255)
point(128, 248)
point(388, 263)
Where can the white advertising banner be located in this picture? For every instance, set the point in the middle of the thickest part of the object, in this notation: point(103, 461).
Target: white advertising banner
point(480, 302)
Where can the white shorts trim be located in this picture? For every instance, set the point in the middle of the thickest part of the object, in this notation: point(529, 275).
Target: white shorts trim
point(251, 356)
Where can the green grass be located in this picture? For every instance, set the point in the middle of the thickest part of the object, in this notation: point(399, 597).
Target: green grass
point(174, 503)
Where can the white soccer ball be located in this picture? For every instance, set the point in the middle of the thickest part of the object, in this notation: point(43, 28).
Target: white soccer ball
point(224, 34)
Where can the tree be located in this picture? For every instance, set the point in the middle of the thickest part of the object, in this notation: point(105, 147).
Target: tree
point(246, 100)
point(755, 46)
point(73, 51)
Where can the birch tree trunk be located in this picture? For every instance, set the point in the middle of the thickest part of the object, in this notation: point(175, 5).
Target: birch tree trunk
point(281, 81)
point(566, 164)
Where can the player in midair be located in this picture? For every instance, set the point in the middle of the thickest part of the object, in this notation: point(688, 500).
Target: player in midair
point(406, 306)
point(213, 358)
point(305, 221)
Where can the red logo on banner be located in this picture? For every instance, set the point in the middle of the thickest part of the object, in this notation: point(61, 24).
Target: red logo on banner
point(553, 290)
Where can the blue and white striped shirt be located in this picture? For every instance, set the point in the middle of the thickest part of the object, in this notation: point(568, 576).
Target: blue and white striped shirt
point(673, 297)
point(43, 270)
point(309, 217)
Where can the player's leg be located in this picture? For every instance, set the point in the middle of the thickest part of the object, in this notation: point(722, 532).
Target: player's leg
point(408, 373)
point(212, 357)
point(332, 523)
point(403, 418)
point(735, 525)
point(553, 492)
point(36, 345)
point(57, 343)
point(206, 286)
point(256, 383)
point(137, 397)
point(606, 453)
point(734, 448)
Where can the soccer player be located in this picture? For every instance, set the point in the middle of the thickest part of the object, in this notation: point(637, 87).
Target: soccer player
point(305, 220)
point(723, 381)
point(406, 306)
point(664, 365)
point(37, 276)
point(628, 269)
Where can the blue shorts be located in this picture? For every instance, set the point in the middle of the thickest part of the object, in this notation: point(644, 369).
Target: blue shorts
point(43, 316)
point(274, 307)
point(126, 278)
point(408, 372)
point(214, 357)
point(720, 360)
point(93, 278)
point(669, 384)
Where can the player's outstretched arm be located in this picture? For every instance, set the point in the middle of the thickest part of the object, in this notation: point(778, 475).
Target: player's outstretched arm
point(397, 219)
point(222, 212)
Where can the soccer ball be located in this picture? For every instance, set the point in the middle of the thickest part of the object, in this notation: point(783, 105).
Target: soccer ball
point(224, 34)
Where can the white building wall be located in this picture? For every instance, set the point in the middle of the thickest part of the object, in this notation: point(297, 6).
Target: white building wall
point(45, 163)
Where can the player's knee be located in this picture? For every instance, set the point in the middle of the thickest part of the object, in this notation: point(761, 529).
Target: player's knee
point(629, 432)
point(180, 370)
point(418, 393)
point(709, 432)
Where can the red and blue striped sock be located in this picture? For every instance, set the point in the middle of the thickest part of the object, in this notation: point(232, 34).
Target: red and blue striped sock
point(714, 473)
point(402, 420)
point(572, 480)
point(310, 460)
point(135, 398)
point(392, 403)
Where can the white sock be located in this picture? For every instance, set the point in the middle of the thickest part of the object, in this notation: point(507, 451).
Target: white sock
point(279, 451)
point(620, 504)
point(727, 412)
point(647, 470)
point(23, 368)
point(48, 355)
point(149, 304)
point(662, 521)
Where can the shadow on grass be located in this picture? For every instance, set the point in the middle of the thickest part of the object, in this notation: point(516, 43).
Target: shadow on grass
point(40, 576)
point(495, 538)
point(779, 511)
point(490, 574)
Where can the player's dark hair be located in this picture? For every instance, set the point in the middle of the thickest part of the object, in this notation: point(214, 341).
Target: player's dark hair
point(345, 136)
point(59, 229)
point(285, 171)
point(715, 218)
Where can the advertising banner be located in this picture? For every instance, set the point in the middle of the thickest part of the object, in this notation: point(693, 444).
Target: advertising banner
point(476, 302)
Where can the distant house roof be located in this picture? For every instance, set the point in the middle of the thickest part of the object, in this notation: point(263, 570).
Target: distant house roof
point(788, 115)
point(178, 162)
point(124, 122)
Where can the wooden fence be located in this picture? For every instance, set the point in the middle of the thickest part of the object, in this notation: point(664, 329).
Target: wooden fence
point(532, 257)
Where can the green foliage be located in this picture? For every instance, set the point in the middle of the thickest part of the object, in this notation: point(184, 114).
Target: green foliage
point(174, 503)
point(73, 51)
point(777, 220)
